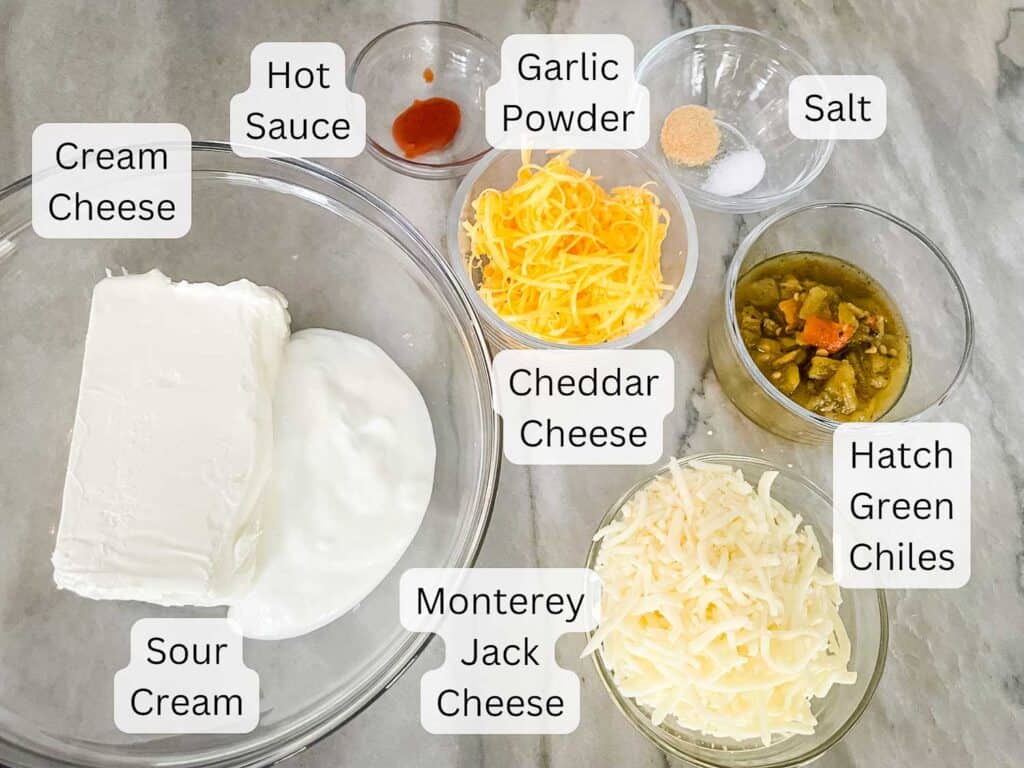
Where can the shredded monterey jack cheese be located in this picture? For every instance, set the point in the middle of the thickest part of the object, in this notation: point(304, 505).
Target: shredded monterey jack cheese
point(716, 612)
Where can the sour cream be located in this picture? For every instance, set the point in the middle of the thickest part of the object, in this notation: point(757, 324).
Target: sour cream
point(353, 469)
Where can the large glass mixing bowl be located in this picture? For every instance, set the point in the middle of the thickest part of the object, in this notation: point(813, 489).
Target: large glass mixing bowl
point(345, 260)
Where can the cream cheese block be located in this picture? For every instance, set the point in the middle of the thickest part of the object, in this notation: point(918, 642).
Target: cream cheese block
point(172, 442)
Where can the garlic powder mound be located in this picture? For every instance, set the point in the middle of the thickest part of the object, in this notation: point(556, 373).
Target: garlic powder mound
point(690, 136)
point(717, 612)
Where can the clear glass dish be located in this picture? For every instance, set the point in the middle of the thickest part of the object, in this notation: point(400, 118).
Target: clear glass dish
point(613, 168)
point(345, 260)
point(743, 75)
point(388, 72)
point(863, 612)
point(914, 272)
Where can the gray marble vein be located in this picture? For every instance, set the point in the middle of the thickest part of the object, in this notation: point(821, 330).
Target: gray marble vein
point(951, 162)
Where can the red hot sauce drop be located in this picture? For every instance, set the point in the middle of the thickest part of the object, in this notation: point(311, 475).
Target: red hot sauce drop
point(426, 126)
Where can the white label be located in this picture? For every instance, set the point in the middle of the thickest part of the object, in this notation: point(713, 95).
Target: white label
point(567, 92)
point(111, 180)
point(186, 676)
point(298, 104)
point(500, 626)
point(902, 506)
point(583, 406)
point(837, 107)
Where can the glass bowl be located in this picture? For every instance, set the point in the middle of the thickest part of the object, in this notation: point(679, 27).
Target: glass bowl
point(914, 272)
point(388, 72)
point(744, 76)
point(613, 168)
point(863, 612)
point(345, 260)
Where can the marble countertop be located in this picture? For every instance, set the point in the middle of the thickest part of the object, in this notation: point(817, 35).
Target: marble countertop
point(951, 161)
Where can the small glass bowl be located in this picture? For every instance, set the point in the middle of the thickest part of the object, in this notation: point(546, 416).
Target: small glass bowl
point(913, 271)
point(744, 76)
point(613, 168)
point(389, 73)
point(863, 612)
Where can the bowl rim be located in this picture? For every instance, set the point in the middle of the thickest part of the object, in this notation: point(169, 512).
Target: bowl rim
point(318, 725)
point(415, 168)
point(503, 331)
point(747, 202)
point(733, 275)
point(653, 733)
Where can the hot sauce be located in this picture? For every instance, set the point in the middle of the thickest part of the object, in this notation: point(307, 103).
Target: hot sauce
point(426, 126)
point(428, 75)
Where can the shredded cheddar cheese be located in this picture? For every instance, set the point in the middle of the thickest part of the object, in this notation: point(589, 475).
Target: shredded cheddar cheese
point(716, 612)
point(561, 259)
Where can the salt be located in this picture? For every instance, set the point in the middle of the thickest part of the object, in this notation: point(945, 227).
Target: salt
point(736, 173)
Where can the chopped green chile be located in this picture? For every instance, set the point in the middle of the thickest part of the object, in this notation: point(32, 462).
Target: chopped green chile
point(825, 334)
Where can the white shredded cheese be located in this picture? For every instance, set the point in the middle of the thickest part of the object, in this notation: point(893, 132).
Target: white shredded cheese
point(716, 611)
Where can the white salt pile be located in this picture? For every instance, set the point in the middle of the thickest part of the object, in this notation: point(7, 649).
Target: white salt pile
point(736, 173)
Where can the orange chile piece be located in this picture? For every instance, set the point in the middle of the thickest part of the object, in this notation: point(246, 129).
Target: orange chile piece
point(825, 334)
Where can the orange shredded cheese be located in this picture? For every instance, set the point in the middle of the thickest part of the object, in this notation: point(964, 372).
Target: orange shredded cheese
point(561, 259)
